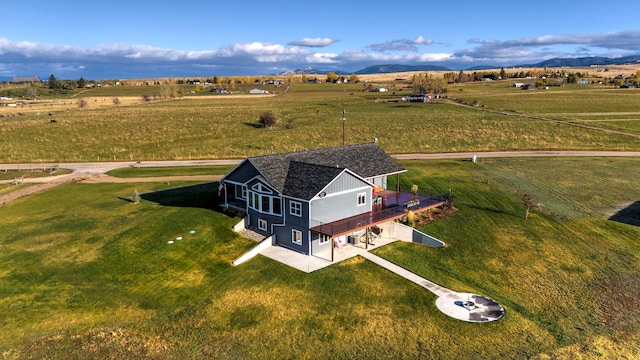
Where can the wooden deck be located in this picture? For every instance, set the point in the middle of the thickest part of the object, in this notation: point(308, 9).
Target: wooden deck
point(394, 206)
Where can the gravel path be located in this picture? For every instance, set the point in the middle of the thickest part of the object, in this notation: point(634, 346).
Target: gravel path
point(40, 186)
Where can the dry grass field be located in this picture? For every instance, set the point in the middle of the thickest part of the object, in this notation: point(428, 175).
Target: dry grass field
point(225, 126)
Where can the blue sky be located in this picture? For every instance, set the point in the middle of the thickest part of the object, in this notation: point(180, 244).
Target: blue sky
point(134, 39)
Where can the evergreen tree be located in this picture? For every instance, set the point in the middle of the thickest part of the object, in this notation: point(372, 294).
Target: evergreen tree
point(82, 82)
point(53, 82)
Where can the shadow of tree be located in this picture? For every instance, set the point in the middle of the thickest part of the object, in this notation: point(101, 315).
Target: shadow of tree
point(629, 215)
point(195, 196)
point(254, 125)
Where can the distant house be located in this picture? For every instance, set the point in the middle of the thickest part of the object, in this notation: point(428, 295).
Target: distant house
point(309, 201)
point(629, 86)
point(5, 98)
point(518, 85)
point(258, 91)
point(379, 90)
point(584, 82)
point(529, 87)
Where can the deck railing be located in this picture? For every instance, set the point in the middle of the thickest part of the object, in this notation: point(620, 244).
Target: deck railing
point(395, 206)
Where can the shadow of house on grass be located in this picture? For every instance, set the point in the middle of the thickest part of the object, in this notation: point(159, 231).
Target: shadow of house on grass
point(202, 196)
point(629, 215)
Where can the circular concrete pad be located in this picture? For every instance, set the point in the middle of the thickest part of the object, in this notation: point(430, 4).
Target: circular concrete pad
point(469, 307)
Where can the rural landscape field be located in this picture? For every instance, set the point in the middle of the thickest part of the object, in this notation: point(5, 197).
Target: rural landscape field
point(87, 274)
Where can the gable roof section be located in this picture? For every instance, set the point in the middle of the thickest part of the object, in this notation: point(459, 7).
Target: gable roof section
point(242, 173)
point(304, 180)
point(366, 160)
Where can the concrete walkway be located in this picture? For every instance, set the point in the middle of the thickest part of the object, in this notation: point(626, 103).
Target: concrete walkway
point(462, 306)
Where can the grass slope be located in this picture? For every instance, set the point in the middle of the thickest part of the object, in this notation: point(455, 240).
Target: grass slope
point(95, 276)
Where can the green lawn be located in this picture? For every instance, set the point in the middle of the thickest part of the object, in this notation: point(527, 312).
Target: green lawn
point(95, 277)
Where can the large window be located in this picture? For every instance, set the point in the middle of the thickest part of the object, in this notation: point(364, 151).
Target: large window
point(295, 208)
point(265, 203)
point(296, 236)
point(362, 199)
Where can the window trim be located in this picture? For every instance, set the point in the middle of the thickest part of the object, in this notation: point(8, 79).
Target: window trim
point(324, 239)
point(243, 192)
point(293, 236)
point(262, 221)
point(362, 196)
point(298, 211)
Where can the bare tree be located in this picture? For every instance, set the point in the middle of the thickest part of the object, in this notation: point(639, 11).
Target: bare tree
point(82, 103)
point(268, 120)
point(115, 101)
point(528, 203)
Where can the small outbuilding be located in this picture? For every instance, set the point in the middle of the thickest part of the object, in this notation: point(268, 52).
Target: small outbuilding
point(258, 91)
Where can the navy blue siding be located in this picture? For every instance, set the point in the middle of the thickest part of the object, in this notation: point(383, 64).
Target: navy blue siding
point(243, 173)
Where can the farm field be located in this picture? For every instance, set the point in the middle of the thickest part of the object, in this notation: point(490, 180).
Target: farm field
point(216, 127)
point(109, 285)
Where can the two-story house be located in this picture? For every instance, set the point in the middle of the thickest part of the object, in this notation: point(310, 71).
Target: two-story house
point(308, 199)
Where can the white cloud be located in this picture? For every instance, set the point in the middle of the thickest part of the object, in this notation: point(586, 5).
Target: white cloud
point(255, 58)
point(539, 47)
point(421, 40)
point(401, 45)
point(313, 42)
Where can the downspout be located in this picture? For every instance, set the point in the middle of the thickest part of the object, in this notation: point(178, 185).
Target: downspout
point(309, 225)
point(332, 248)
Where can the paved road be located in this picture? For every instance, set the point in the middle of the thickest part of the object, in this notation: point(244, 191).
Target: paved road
point(103, 167)
point(505, 154)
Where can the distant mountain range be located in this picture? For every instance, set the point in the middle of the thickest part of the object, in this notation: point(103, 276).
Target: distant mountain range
point(375, 69)
point(587, 61)
point(556, 62)
point(384, 69)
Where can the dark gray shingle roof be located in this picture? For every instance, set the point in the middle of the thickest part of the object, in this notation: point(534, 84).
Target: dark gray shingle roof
point(295, 169)
point(304, 180)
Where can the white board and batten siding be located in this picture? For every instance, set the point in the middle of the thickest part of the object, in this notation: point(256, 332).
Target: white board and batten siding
point(339, 199)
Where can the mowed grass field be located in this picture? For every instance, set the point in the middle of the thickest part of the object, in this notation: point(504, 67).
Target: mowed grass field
point(95, 276)
point(309, 117)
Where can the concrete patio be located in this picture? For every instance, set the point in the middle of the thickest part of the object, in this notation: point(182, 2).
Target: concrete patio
point(309, 264)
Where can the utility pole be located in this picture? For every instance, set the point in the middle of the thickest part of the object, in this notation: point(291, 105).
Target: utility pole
point(343, 119)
